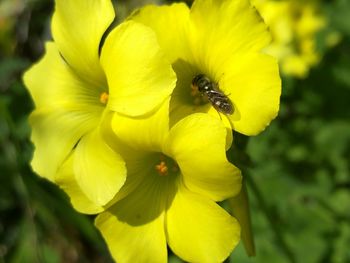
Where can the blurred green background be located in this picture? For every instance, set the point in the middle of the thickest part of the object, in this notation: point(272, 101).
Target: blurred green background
point(297, 170)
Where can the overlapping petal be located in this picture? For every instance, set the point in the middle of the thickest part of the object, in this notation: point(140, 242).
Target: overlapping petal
point(239, 37)
point(134, 227)
point(77, 28)
point(51, 82)
point(55, 132)
point(99, 170)
point(67, 108)
point(238, 29)
point(198, 144)
point(143, 77)
point(170, 23)
point(199, 230)
point(136, 215)
point(144, 134)
point(65, 178)
point(138, 162)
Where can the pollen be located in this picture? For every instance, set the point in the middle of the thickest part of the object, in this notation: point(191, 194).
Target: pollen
point(104, 97)
point(162, 168)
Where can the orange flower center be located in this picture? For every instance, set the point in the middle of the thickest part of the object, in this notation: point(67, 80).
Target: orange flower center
point(104, 97)
point(162, 169)
point(166, 166)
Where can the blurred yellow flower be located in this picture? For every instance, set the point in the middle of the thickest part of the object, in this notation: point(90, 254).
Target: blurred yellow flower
point(222, 40)
point(73, 87)
point(293, 25)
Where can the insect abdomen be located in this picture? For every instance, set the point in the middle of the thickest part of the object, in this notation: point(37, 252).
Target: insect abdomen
point(220, 102)
point(218, 99)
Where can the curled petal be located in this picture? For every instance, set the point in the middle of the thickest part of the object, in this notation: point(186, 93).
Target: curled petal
point(65, 178)
point(99, 170)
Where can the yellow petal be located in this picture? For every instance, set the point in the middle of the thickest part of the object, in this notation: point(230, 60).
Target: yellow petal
point(198, 230)
point(139, 77)
point(253, 84)
point(182, 104)
point(226, 121)
point(197, 143)
point(77, 28)
point(99, 170)
point(137, 162)
point(55, 132)
point(65, 178)
point(67, 108)
point(134, 227)
point(221, 29)
point(170, 25)
point(52, 83)
point(144, 134)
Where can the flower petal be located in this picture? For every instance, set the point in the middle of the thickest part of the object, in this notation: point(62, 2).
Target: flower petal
point(66, 180)
point(67, 108)
point(134, 227)
point(77, 28)
point(255, 93)
point(55, 132)
point(144, 134)
point(198, 230)
point(238, 29)
point(139, 76)
point(170, 25)
point(99, 170)
point(197, 143)
point(137, 162)
point(52, 83)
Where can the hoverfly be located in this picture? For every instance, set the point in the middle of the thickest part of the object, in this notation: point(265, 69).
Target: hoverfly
point(216, 97)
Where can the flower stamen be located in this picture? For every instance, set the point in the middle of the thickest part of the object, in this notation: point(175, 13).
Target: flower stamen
point(162, 168)
point(104, 97)
point(166, 166)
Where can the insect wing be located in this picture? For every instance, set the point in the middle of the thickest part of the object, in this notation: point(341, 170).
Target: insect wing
point(220, 101)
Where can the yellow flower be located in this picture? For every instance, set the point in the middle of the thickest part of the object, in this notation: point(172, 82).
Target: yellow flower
point(174, 178)
point(222, 40)
point(73, 87)
point(294, 25)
